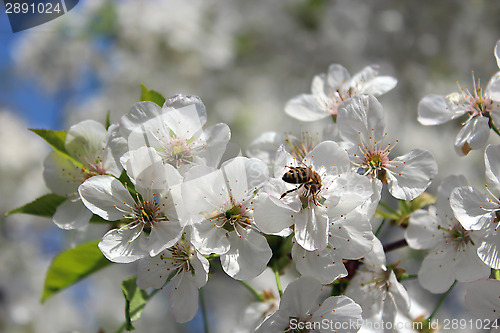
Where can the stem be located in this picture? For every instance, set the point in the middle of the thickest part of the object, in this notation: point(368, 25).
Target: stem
point(494, 127)
point(388, 208)
point(441, 300)
point(396, 245)
point(405, 276)
point(258, 296)
point(380, 227)
point(204, 310)
point(277, 277)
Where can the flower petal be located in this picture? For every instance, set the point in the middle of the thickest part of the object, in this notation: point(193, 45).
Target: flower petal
point(471, 207)
point(86, 140)
point(152, 272)
point(489, 251)
point(422, 232)
point(436, 110)
point(106, 197)
point(300, 296)
point(61, 175)
point(269, 217)
point(183, 297)
point(492, 166)
point(324, 265)
point(342, 311)
point(244, 175)
point(437, 271)
point(468, 266)
point(411, 174)
point(124, 245)
point(305, 108)
point(217, 137)
point(180, 101)
point(328, 158)
point(361, 118)
point(247, 257)
point(163, 235)
point(483, 298)
point(311, 228)
point(473, 135)
point(72, 215)
point(337, 76)
point(208, 238)
point(379, 85)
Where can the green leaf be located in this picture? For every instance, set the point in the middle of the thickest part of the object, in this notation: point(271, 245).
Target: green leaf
point(72, 266)
point(55, 139)
point(152, 96)
point(424, 199)
point(44, 206)
point(135, 301)
point(108, 119)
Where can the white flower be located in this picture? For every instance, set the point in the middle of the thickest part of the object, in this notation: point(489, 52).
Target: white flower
point(267, 144)
point(483, 299)
point(153, 209)
point(221, 204)
point(331, 89)
point(477, 211)
point(482, 106)
point(452, 249)
point(190, 270)
point(308, 207)
point(350, 237)
point(300, 310)
point(376, 288)
point(176, 131)
point(361, 123)
point(497, 52)
point(88, 143)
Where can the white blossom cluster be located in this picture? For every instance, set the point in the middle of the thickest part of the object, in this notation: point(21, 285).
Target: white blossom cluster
point(159, 175)
point(178, 205)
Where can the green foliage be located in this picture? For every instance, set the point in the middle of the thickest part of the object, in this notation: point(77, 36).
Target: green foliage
point(108, 120)
point(151, 96)
point(405, 209)
point(55, 139)
point(135, 301)
point(44, 206)
point(72, 266)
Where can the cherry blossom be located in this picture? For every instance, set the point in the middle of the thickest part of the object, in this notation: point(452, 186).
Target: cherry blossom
point(361, 124)
point(452, 248)
point(221, 207)
point(88, 146)
point(376, 288)
point(176, 131)
point(478, 211)
point(300, 310)
point(331, 89)
point(190, 272)
point(152, 216)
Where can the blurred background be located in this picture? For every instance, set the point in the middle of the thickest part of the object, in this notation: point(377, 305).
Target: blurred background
point(245, 59)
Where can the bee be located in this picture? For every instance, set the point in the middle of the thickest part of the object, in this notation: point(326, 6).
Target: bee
point(306, 177)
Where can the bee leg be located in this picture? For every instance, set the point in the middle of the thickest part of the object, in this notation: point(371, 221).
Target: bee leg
point(290, 191)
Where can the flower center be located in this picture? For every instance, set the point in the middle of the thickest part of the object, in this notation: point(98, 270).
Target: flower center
point(458, 235)
point(234, 216)
point(299, 148)
point(375, 163)
point(148, 212)
point(177, 152)
point(475, 102)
